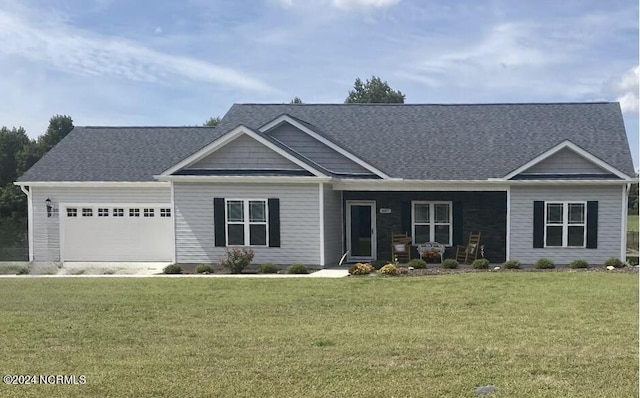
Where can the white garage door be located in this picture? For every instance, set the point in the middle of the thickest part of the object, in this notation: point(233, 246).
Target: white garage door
point(116, 233)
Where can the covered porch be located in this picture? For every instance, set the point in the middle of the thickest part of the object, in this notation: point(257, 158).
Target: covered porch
point(448, 217)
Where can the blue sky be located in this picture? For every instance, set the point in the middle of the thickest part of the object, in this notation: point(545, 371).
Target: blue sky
point(120, 62)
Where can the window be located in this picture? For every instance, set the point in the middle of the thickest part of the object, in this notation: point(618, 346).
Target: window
point(432, 222)
point(165, 212)
point(246, 222)
point(72, 212)
point(103, 212)
point(134, 212)
point(148, 213)
point(117, 212)
point(87, 212)
point(565, 224)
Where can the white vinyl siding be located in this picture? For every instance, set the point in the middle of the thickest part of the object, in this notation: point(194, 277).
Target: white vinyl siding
point(244, 153)
point(609, 222)
point(46, 230)
point(299, 221)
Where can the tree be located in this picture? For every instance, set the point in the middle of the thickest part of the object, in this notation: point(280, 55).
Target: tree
point(373, 91)
point(12, 142)
point(296, 100)
point(212, 122)
point(59, 127)
point(633, 197)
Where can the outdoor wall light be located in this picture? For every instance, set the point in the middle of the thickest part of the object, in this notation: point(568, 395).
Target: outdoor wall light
point(49, 207)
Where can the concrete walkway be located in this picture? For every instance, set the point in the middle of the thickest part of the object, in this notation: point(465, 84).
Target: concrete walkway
point(146, 270)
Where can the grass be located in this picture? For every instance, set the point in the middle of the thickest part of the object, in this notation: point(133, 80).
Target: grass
point(529, 334)
point(632, 223)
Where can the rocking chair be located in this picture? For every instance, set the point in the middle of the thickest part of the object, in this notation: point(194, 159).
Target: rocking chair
point(401, 247)
point(466, 254)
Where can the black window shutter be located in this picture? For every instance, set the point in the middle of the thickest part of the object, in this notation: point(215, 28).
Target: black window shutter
point(219, 221)
point(274, 222)
point(538, 224)
point(405, 217)
point(458, 224)
point(592, 224)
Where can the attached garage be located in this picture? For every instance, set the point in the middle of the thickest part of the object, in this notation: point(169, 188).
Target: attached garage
point(113, 232)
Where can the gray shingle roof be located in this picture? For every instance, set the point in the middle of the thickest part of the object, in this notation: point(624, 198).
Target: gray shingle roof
point(119, 153)
point(430, 142)
point(466, 141)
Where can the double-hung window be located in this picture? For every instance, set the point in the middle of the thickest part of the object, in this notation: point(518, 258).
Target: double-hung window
point(565, 224)
point(431, 222)
point(246, 222)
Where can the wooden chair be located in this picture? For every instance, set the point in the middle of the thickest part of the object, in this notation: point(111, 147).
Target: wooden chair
point(466, 254)
point(401, 247)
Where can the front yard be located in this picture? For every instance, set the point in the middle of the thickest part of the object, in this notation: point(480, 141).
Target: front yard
point(528, 334)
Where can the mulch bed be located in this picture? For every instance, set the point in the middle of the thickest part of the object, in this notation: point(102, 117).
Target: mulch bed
point(436, 270)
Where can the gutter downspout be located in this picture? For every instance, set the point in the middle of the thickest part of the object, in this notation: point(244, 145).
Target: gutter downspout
point(29, 219)
point(625, 214)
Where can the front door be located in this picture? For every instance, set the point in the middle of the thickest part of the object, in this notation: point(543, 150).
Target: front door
point(361, 225)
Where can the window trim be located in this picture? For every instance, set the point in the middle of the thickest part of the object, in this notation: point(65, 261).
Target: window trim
point(246, 221)
point(432, 224)
point(565, 223)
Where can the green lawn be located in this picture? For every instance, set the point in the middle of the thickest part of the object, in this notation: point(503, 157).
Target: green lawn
point(529, 334)
point(632, 223)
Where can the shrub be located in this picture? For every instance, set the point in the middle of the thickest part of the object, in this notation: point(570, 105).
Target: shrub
point(417, 263)
point(511, 264)
point(380, 263)
point(172, 269)
point(297, 269)
point(23, 271)
point(579, 263)
point(268, 268)
point(389, 269)
point(481, 263)
point(614, 262)
point(450, 263)
point(204, 269)
point(361, 269)
point(237, 259)
point(544, 263)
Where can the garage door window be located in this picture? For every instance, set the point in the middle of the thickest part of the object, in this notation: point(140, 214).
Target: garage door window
point(148, 212)
point(103, 212)
point(165, 212)
point(72, 212)
point(87, 212)
point(134, 212)
point(118, 212)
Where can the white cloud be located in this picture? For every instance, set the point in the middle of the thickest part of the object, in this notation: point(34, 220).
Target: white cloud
point(73, 50)
point(363, 4)
point(503, 57)
point(626, 90)
point(341, 4)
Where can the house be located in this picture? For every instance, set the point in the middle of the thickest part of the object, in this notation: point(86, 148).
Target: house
point(307, 182)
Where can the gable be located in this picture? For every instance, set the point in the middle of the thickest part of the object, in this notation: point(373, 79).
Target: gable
point(316, 151)
point(565, 161)
point(244, 152)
